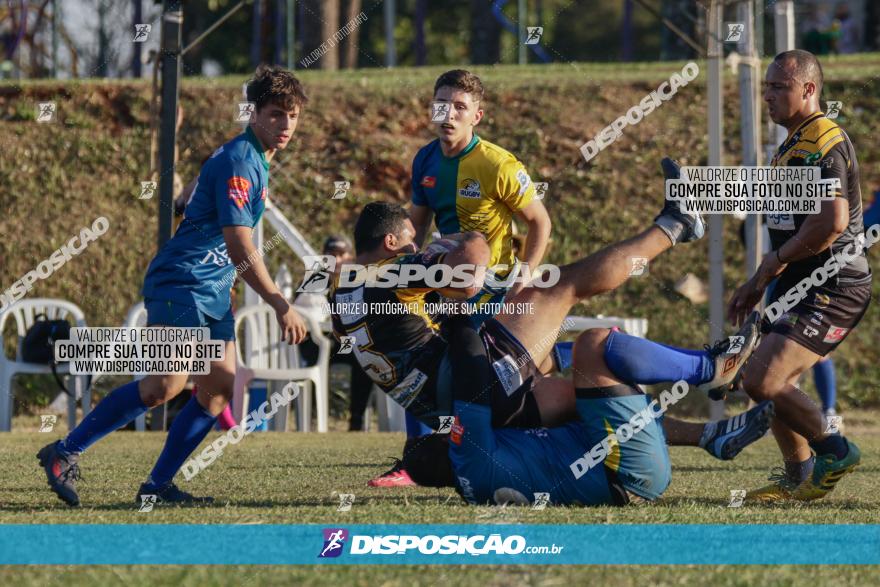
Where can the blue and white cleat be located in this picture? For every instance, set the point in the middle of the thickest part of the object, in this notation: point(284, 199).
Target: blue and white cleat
point(732, 435)
point(679, 226)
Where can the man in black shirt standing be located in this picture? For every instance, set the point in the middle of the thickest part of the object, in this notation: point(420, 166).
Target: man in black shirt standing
point(832, 306)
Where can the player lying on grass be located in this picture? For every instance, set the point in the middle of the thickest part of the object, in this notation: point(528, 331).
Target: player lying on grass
point(188, 285)
point(613, 453)
point(405, 353)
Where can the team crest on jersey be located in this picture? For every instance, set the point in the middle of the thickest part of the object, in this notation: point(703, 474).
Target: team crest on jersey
point(821, 301)
point(812, 158)
point(429, 181)
point(238, 190)
point(470, 188)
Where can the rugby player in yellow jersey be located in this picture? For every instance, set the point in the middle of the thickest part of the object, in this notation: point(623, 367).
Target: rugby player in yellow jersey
point(465, 183)
point(826, 312)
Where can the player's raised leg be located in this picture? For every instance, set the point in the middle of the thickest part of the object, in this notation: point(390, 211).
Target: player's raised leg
point(723, 439)
point(598, 273)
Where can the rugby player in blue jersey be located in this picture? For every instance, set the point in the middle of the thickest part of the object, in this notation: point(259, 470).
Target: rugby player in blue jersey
point(614, 452)
point(188, 285)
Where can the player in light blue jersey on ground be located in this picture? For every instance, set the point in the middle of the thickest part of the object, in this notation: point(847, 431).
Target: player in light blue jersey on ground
point(188, 285)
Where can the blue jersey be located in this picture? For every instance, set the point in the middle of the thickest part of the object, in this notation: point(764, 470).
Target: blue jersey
point(508, 464)
point(193, 268)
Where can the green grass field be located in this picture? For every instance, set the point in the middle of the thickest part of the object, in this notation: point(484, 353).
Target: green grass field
point(292, 478)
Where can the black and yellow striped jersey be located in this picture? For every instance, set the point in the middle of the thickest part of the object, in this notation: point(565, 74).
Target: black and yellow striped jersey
point(821, 142)
point(396, 340)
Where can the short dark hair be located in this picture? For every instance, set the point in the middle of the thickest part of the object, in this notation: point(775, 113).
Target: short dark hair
point(274, 85)
point(377, 219)
point(463, 80)
point(805, 67)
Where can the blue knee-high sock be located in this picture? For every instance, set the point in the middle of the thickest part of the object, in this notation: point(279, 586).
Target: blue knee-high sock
point(121, 406)
point(639, 360)
point(826, 383)
point(415, 428)
point(190, 427)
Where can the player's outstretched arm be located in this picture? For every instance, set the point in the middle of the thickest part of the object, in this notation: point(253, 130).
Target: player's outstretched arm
point(249, 263)
point(538, 227)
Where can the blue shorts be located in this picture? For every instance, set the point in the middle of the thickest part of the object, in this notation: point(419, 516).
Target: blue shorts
point(642, 462)
point(164, 313)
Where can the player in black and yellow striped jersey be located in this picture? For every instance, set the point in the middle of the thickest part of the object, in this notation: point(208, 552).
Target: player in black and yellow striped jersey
point(823, 317)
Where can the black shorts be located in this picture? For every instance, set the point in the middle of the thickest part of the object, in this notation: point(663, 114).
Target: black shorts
point(824, 318)
point(509, 367)
point(513, 404)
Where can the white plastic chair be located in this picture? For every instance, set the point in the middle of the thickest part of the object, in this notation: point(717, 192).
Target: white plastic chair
point(263, 355)
point(25, 312)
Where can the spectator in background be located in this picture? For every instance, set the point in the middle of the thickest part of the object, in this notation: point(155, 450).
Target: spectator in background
point(848, 37)
point(361, 384)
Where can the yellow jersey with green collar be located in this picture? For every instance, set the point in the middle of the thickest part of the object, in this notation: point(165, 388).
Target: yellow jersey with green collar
point(479, 189)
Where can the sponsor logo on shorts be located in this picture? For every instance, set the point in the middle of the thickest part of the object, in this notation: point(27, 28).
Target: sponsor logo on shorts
point(835, 334)
point(238, 190)
point(407, 390)
point(470, 188)
point(429, 181)
point(790, 318)
point(334, 540)
point(810, 332)
point(508, 374)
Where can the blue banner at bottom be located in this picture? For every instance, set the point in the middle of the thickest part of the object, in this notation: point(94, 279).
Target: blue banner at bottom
point(643, 544)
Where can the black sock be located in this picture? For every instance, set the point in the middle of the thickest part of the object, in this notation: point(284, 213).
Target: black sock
point(832, 444)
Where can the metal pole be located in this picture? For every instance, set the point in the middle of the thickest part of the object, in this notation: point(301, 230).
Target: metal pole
point(715, 109)
point(56, 13)
point(522, 14)
point(759, 29)
point(783, 24)
point(257, 34)
point(751, 120)
point(390, 49)
point(291, 63)
point(172, 29)
point(136, 53)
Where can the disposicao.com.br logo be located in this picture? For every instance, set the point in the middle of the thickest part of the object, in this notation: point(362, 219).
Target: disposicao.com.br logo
point(432, 544)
